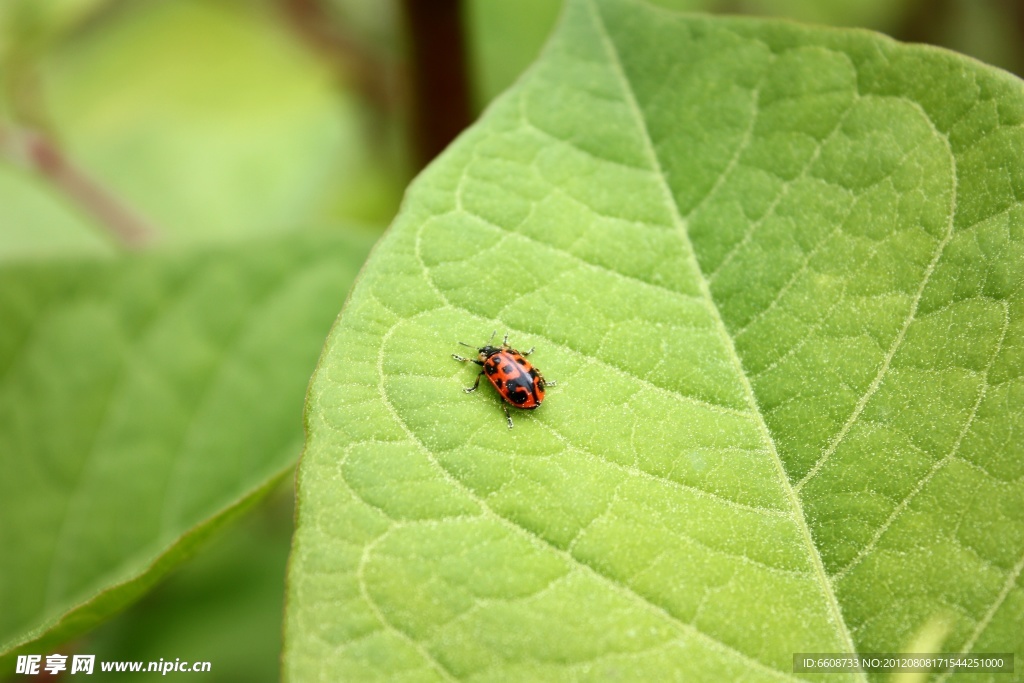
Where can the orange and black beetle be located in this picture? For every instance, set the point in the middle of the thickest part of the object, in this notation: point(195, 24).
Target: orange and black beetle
point(518, 382)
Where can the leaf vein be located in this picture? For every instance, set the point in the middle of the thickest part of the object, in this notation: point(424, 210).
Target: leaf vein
point(798, 514)
point(1008, 585)
point(681, 626)
point(748, 235)
point(907, 321)
point(902, 506)
point(420, 648)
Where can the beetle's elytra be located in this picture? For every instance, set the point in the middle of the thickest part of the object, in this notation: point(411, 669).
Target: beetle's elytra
point(519, 383)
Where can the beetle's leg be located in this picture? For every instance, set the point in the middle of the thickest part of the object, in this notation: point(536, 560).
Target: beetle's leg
point(466, 360)
point(547, 382)
point(508, 416)
point(470, 390)
point(532, 349)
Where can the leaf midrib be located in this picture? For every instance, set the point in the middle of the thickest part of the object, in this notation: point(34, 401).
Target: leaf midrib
point(681, 227)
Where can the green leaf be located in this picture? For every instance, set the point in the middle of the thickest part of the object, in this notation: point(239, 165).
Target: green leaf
point(143, 404)
point(223, 607)
point(777, 272)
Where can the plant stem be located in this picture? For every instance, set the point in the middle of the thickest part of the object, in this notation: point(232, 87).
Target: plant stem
point(39, 153)
point(438, 74)
point(371, 74)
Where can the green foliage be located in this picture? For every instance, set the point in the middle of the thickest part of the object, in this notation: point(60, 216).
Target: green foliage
point(149, 400)
point(777, 272)
point(144, 402)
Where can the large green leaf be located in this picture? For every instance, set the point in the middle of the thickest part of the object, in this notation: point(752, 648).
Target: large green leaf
point(777, 272)
point(143, 403)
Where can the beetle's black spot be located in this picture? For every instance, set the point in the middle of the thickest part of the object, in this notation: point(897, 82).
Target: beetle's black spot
point(533, 373)
point(521, 361)
point(520, 395)
point(498, 382)
point(507, 369)
point(490, 368)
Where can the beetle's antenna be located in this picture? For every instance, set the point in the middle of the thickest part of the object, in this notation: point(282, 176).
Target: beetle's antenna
point(469, 345)
point(492, 337)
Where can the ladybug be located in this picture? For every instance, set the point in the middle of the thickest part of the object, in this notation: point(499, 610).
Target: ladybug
point(519, 383)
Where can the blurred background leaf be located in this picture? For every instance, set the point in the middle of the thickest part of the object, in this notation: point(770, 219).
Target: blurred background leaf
point(144, 402)
point(224, 607)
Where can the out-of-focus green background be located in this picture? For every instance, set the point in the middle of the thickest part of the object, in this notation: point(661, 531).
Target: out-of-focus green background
point(215, 122)
point(219, 120)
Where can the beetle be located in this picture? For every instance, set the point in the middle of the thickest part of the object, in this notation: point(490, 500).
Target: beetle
point(517, 382)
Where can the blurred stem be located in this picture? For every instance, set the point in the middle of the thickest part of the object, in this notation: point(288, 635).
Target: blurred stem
point(372, 75)
point(1014, 10)
point(438, 74)
point(24, 142)
point(924, 22)
point(41, 155)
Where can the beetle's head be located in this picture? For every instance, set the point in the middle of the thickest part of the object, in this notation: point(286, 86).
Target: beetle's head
point(488, 351)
